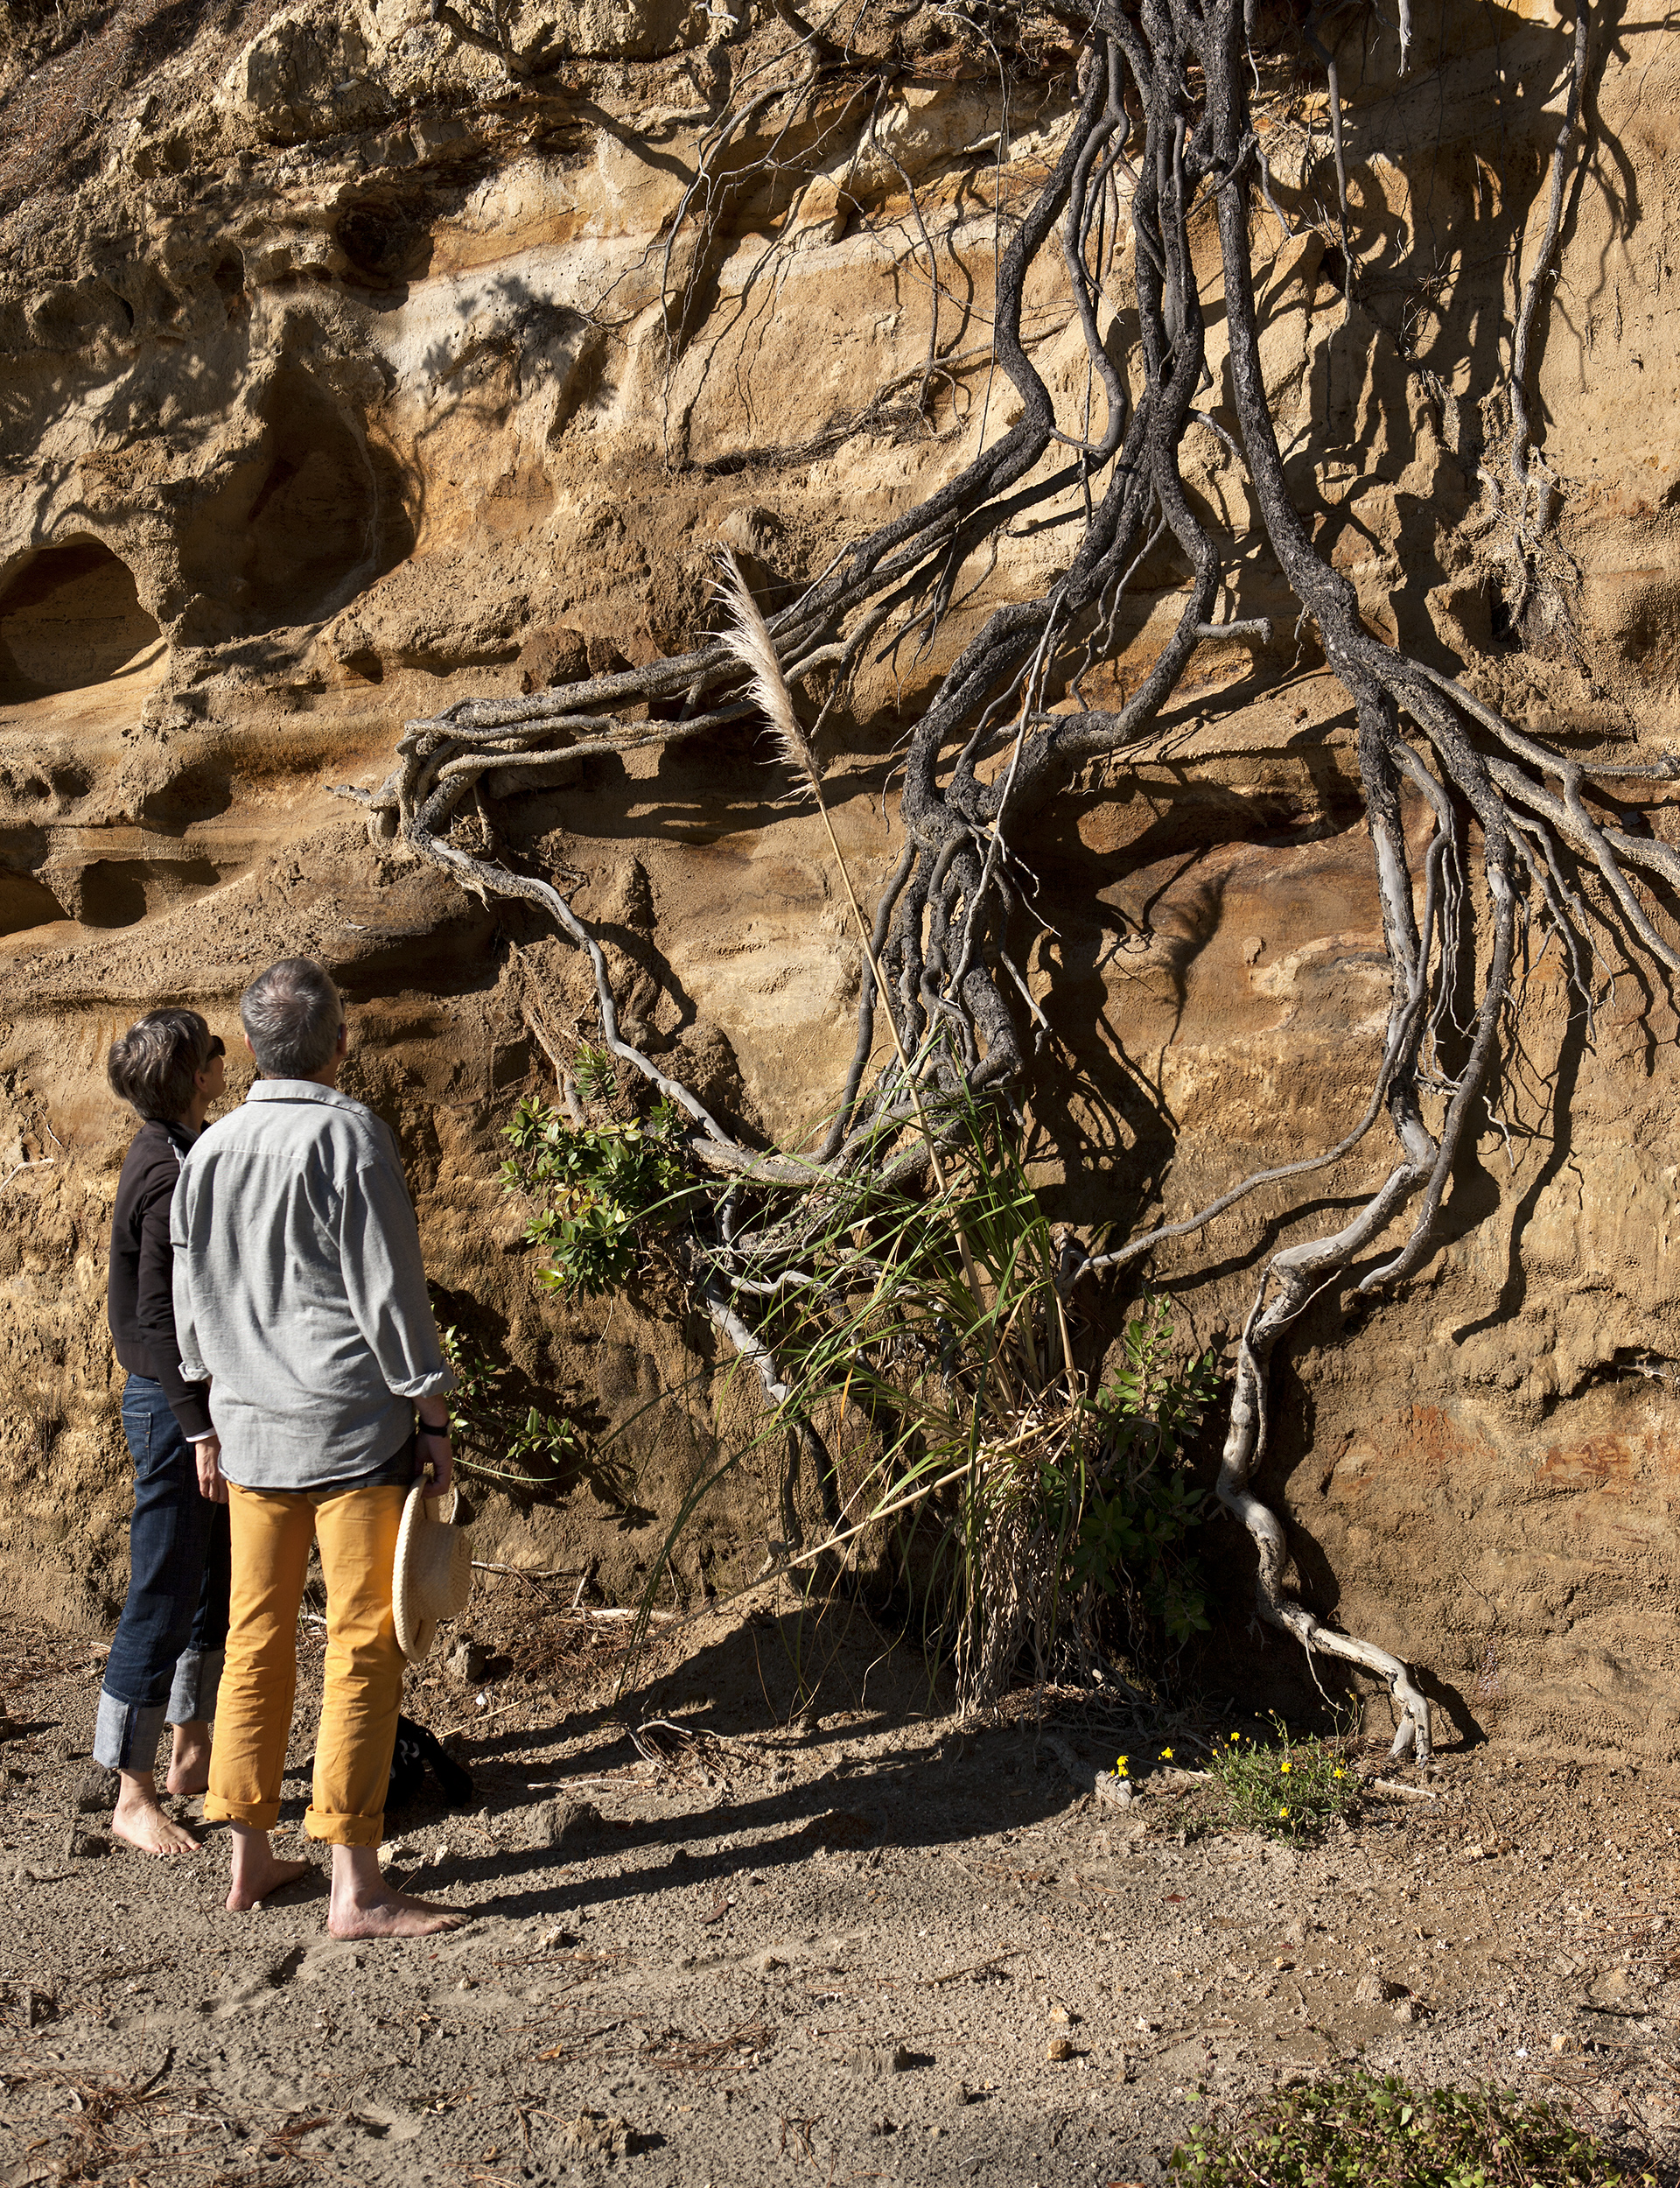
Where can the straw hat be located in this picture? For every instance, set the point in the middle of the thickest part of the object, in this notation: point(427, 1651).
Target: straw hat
point(433, 1576)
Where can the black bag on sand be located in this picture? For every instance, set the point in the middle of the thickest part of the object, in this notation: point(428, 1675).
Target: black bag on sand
point(419, 1751)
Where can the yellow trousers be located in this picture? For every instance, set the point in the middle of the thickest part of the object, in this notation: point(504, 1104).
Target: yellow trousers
point(356, 1530)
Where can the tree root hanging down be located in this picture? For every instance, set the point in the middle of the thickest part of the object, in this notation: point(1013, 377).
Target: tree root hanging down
point(1162, 124)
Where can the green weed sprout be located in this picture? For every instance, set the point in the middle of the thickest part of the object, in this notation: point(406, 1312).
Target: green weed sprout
point(537, 1448)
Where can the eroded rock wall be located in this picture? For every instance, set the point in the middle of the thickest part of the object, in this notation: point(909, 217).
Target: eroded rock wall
point(351, 367)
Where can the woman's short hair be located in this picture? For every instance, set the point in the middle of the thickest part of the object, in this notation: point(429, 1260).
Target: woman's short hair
point(155, 1065)
point(292, 1015)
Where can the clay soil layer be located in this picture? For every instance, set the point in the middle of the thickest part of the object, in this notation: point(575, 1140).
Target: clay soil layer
point(825, 1934)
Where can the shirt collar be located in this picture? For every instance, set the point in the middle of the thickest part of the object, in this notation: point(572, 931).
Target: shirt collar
point(304, 1090)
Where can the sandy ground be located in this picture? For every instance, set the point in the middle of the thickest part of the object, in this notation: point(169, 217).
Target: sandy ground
point(829, 1936)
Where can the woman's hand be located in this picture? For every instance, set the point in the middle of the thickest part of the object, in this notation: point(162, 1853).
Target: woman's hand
point(207, 1452)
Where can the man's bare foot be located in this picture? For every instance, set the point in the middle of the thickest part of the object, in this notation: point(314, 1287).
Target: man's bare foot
point(189, 1765)
point(139, 1822)
point(364, 1906)
point(390, 1914)
point(257, 1872)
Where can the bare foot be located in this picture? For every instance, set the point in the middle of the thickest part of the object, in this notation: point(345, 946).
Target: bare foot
point(389, 1914)
point(364, 1906)
point(139, 1822)
point(257, 1872)
point(189, 1765)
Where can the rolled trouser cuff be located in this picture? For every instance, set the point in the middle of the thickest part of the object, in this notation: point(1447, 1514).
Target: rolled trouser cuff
point(126, 1734)
point(255, 1815)
point(342, 1830)
point(192, 1692)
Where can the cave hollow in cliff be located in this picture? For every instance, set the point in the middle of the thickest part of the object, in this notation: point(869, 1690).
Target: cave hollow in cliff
point(70, 616)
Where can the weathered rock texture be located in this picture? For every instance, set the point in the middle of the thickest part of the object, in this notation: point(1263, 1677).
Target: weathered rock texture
point(338, 381)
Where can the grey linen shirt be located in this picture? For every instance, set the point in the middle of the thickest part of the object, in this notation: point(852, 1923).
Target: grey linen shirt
point(299, 1289)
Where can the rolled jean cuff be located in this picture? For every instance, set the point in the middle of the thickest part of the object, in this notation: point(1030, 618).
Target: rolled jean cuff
point(126, 1734)
point(192, 1693)
point(342, 1830)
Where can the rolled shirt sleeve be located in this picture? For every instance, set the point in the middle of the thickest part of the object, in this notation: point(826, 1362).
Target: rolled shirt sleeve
point(385, 1279)
point(186, 1342)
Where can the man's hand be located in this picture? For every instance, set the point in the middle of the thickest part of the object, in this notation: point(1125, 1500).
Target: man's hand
point(431, 1449)
point(207, 1452)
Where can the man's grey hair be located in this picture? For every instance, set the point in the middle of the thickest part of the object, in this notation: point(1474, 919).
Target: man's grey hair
point(292, 1015)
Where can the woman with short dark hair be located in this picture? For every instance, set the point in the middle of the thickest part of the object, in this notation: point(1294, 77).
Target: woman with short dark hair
point(165, 1662)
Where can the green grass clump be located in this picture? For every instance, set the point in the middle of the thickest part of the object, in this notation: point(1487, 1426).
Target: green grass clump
point(1358, 2132)
point(1289, 1790)
point(1033, 1494)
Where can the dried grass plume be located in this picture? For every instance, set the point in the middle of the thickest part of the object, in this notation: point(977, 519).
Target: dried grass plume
point(748, 638)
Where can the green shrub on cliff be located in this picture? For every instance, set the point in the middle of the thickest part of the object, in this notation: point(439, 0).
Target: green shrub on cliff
point(601, 1188)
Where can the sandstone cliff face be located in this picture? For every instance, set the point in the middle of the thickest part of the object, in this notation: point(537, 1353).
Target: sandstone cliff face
point(341, 380)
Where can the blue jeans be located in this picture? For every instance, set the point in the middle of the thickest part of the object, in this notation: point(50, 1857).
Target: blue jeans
point(165, 1662)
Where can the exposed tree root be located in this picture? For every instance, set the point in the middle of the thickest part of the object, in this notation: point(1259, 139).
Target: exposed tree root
point(1162, 122)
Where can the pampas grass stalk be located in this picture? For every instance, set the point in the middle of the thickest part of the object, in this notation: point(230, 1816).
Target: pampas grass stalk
point(748, 638)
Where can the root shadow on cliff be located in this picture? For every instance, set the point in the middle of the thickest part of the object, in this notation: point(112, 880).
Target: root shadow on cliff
point(495, 1416)
point(1513, 1291)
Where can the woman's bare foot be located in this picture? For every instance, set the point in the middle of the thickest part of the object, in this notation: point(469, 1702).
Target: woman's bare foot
point(189, 1765)
point(257, 1872)
point(139, 1822)
point(364, 1906)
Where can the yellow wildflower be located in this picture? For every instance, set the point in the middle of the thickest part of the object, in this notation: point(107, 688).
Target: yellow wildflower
point(1283, 1811)
point(1236, 1736)
point(1284, 1768)
point(1166, 1754)
point(1340, 1773)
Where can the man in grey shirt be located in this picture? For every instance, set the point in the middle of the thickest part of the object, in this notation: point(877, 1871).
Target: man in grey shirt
point(300, 1295)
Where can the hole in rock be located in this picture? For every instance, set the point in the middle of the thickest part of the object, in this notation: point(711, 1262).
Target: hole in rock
point(385, 246)
point(309, 514)
point(25, 901)
point(70, 617)
point(120, 892)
